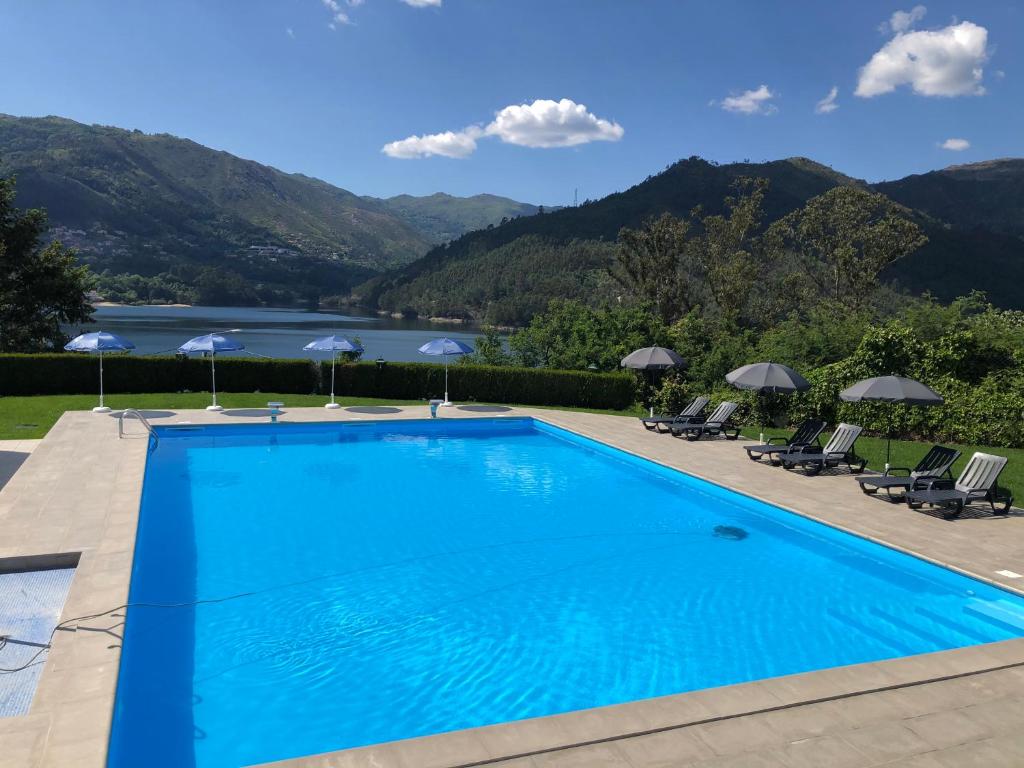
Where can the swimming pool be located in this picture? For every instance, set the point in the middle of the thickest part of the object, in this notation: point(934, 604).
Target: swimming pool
point(365, 582)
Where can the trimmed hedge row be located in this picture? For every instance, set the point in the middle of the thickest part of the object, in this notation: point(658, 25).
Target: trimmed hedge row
point(63, 374)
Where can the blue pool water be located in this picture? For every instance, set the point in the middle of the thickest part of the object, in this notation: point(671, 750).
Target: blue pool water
point(406, 578)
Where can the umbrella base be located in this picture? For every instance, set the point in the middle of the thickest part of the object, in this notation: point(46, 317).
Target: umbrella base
point(332, 406)
point(446, 404)
point(215, 407)
point(101, 409)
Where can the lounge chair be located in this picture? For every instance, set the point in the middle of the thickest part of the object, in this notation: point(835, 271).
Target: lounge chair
point(838, 450)
point(937, 463)
point(806, 434)
point(717, 424)
point(976, 483)
point(689, 414)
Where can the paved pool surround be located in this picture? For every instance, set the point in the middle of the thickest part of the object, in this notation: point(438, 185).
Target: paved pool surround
point(79, 492)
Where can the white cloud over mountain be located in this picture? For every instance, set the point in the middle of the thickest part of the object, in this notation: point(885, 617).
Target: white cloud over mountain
point(828, 104)
point(423, 3)
point(941, 62)
point(542, 124)
point(956, 145)
point(753, 102)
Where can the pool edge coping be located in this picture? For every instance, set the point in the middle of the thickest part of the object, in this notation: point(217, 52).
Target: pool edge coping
point(520, 739)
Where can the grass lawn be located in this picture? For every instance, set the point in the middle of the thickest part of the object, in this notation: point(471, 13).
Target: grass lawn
point(906, 453)
point(23, 418)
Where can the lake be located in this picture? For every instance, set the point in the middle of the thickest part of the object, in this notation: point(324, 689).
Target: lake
point(272, 332)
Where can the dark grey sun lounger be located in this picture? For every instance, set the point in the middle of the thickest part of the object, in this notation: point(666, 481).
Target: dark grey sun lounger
point(717, 424)
point(937, 463)
point(689, 414)
point(838, 450)
point(806, 434)
point(978, 482)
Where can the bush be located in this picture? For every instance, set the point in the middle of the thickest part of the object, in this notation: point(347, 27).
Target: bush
point(485, 383)
point(63, 374)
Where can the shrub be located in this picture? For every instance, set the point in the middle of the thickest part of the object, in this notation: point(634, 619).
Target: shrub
point(60, 374)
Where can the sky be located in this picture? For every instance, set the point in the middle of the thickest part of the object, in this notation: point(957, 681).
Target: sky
point(537, 100)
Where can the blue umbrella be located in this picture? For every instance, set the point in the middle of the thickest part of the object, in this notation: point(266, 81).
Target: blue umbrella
point(212, 343)
point(99, 341)
point(445, 347)
point(334, 345)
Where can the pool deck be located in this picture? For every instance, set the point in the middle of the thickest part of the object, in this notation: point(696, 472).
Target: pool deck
point(78, 492)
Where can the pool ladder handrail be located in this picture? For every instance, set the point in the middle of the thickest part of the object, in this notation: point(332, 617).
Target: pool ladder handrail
point(138, 415)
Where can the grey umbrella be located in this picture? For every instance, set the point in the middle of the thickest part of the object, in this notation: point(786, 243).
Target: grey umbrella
point(891, 389)
point(653, 359)
point(767, 377)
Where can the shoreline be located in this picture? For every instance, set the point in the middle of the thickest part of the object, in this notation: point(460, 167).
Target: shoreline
point(98, 304)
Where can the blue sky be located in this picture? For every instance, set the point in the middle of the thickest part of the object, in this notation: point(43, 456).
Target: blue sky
point(535, 97)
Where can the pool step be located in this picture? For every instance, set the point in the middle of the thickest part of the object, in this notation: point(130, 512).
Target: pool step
point(864, 629)
point(935, 641)
point(1001, 613)
point(975, 636)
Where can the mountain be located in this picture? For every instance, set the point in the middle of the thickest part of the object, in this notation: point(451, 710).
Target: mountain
point(985, 196)
point(202, 224)
point(440, 217)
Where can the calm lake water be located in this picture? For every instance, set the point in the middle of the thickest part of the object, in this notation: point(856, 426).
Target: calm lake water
point(272, 332)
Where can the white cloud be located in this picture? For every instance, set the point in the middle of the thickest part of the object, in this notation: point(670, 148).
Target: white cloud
point(338, 16)
point(423, 3)
point(542, 124)
point(456, 144)
point(828, 104)
point(290, 32)
point(755, 102)
point(956, 145)
point(547, 123)
point(941, 62)
point(901, 21)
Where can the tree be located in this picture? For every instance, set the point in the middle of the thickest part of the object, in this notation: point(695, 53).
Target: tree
point(727, 251)
point(651, 263)
point(571, 335)
point(843, 239)
point(41, 287)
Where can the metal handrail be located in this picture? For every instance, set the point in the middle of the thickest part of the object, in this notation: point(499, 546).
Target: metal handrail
point(138, 415)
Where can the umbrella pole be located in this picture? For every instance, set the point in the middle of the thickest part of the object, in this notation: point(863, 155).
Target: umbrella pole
point(334, 359)
point(446, 400)
point(213, 380)
point(101, 408)
point(888, 443)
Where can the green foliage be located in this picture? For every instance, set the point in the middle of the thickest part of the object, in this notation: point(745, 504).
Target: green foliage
point(488, 349)
point(651, 263)
point(51, 374)
point(571, 335)
point(843, 239)
point(42, 286)
point(506, 286)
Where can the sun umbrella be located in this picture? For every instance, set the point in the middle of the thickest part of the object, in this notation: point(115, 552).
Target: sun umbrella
point(767, 377)
point(99, 341)
point(211, 344)
point(652, 359)
point(445, 347)
point(334, 345)
point(891, 389)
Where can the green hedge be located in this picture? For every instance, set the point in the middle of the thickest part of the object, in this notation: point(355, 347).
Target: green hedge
point(62, 374)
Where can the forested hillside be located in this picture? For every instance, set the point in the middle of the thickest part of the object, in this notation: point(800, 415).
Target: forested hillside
point(987, 254)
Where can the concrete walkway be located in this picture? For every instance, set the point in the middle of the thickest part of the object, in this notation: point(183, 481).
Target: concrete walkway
point(13, 454)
